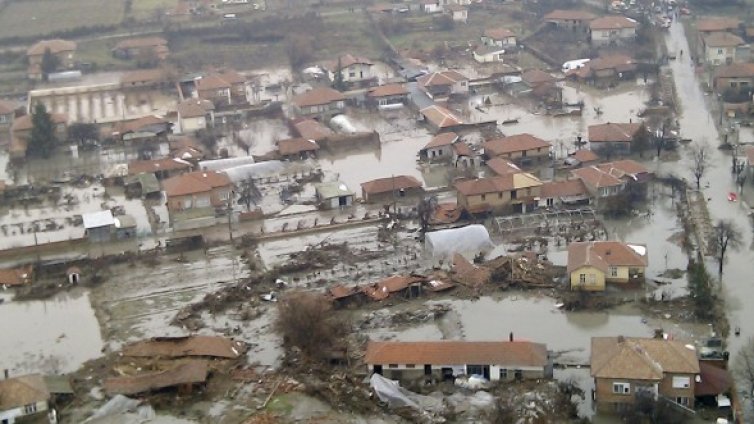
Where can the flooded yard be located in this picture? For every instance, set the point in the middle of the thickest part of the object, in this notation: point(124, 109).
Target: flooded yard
point(51, 336)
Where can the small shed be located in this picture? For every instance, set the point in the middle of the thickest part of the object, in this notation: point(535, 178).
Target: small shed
point(73, 275)
point(334, 195)
point(98, 226)
point(125, 227)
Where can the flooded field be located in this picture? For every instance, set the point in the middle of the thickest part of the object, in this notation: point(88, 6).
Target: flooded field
point(52, 336)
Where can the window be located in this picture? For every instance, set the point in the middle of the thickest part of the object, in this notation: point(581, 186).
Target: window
point(744, 83)
point(682, 401)
point(621, 388)
point(514, 194)
point(484, 197)
point(523, 154)
point(681, 382)
point(503, 374)
point(463, 83)
point(500, 195)
point(392, 366)
point(582, 278)
point(410, 365)
point(613, 271)
point(352, 74)
point(30, 408)
point(474, 370)
point(719, 51)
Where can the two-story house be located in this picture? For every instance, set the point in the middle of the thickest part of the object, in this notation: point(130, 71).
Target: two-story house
point(625, 368)
point(615, 138)
point(612, 30)
point(440, 85)
point(354, 70)
point(735, 76)
point(523, 149)
point(517, 192)
point(499, 37)
point(319, 101)
point(445, 360)
point(724, 48)
point(576, 20)
point(223, 88)
point(199, 191)
point(144, 48)
point(591, 264)
point(612, 178)
point(63, 50)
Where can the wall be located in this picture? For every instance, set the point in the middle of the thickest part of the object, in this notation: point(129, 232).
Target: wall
point(666, 388)
point(599, 279)
point(605, 398)
point(719, 55)
point(621, 277)
point(403, 372)
point(498, 200)
point(440, 153)
point(192, 124)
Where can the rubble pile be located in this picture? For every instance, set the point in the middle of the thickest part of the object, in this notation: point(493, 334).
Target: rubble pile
point(385, 318)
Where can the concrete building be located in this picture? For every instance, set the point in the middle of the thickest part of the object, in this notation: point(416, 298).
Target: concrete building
point(390, 189)
point(724, 48)
point(440, 148)
point(355, 71)
point(320, 101)
point(200, 190)
point(98, 226)
point(195, 115)
point(612, 30)
point(439, 85)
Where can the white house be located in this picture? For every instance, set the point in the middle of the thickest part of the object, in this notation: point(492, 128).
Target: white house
point(499, 37)
point(494, 360)
point(23, 396)
point(457, 12)
point(440, 147)
point(724, 48)
point(195, 114)
point(353, 69)
point(612, 30)
point(487, 54)
point(431, 6)
point(442, 84)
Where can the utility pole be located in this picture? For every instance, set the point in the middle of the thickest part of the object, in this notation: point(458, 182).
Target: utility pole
point(229, 210)
point(395, 205)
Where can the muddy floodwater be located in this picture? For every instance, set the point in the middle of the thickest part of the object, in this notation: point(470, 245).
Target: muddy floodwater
point(51, 336)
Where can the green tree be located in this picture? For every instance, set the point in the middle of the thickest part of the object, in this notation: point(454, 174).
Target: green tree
point(338, 82)
point(83, 134)
point(49, 64)
point(700, 290)
point(42, 140)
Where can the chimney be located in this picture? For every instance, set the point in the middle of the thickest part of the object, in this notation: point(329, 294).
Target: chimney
point(510, 336)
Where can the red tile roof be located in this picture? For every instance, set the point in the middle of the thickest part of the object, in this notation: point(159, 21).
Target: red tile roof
point(636, 358)
point(567, 188)
point(515, 143)
point(714, 380)
point(595, 177)
point(498, 33)
point(717, 24)
point(348, 60)
point(23, 123)
point(190, 372)
point(612, 22)
point(502, 166)
point(524, 354)
point(195, 182)
point(623, 168)
point(613, 132)
point(386, 185)
point(293, 146)
point(722, 39)
point(585, 156)
point(7, 107)
point(441, 78)
point(388, 90)
point(606, 253)
point(497, 184)
point(193, 108)
point(536, 77)
point(441, 117)
point(735, 70)
point(442, 139)
point(318, 96)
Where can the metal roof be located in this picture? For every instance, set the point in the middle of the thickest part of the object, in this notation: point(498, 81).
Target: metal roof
point(98, 219)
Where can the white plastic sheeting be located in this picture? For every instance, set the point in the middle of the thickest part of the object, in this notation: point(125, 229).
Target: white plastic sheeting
point(341, 123)
point(390, 392)
point(222, 164)
point(469, 239)
point(255, 170)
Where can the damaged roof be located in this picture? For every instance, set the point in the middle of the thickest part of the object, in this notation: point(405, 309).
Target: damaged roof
point(16, 276)
point(293, 146)
point(521, 354)
point(190, 372)
point(155, 165)
point(20, 391)
point(175, 347)
point(443, 139)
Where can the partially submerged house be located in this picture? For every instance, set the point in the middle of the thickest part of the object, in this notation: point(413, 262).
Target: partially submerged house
point(19, 276)
point(297, 148)
point(564, 193)
point(517, 192)
point(223, 88)
point(606, 69)
point(443, 360)
point(616, 138)
point(24, 399)
point(407, 286)
point(523, 149)
point(203, 190)
point(333, 195)
point(390, 189)
point(626, 368)
point(440, 147)
point(594, 263)
point(612, 30)
point(319, 101)
point(443, 84)
point(99, 226)
point(439, 118)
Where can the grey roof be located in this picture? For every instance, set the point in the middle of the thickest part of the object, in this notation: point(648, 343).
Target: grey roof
point(149, 183)
point(332, 189)
point(98, 219)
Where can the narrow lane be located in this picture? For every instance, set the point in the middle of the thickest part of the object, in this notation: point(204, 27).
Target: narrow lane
point(697, 122)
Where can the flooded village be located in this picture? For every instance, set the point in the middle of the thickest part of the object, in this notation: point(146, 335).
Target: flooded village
point(502, 211)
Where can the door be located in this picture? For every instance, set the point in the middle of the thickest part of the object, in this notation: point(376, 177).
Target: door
point(427, 369)
point(378, 369)
point(343, 201)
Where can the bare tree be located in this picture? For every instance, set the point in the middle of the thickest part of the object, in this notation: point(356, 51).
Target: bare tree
point(743, 366)
point(726, 235)
point(306, 321)
point(700, 161)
